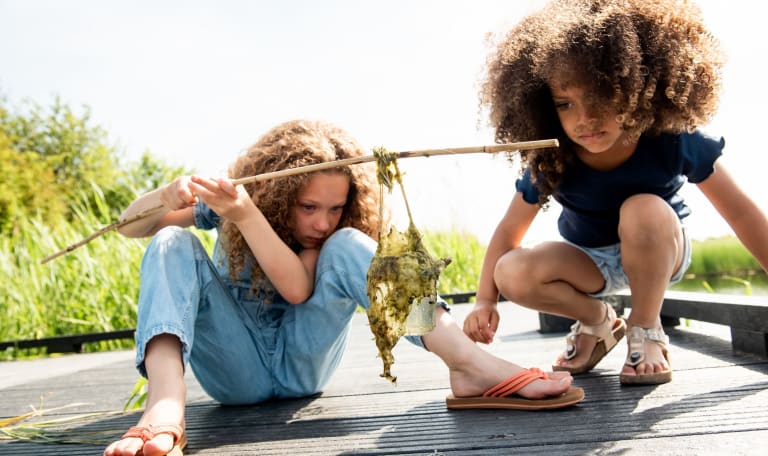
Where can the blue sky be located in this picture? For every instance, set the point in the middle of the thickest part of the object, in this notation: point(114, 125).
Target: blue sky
point(196, 82)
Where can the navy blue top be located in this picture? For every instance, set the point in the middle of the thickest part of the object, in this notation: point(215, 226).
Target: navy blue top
point(660, 165)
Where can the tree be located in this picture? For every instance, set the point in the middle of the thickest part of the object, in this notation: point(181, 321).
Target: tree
point(52, 159)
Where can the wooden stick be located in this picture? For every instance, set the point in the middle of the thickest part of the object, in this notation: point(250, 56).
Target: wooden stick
point(143, 214)
point(408, 154)
point(526, 145)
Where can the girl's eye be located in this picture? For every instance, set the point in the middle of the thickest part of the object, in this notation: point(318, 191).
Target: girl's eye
point(562, 105)
point(308, 207)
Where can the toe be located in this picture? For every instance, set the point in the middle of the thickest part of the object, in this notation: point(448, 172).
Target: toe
point(560, 375)
point(558, 383)
point(160, 445)
point(125, 447)
point(628, 370)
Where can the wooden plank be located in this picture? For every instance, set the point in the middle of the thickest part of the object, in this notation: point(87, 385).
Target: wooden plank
point(716, 401)
point(67, 344)
point(747, 316)
point(742, 312)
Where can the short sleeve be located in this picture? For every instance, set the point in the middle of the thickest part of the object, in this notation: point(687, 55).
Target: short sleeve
point(699, 153)
point(205, 218)
point(525, 186)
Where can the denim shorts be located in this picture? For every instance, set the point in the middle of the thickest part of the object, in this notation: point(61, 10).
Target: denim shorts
point(608, 261)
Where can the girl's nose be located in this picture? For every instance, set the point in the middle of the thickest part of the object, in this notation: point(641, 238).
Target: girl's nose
point(322, 223)
point(589, 114)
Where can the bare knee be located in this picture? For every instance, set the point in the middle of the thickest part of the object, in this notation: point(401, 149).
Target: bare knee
point(512, 275)
point(647, 221)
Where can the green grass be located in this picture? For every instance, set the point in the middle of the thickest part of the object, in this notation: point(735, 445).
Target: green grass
point(721, 255)
point(95, 287)
point(91, 289)
point(466, 253)
point(723, 265)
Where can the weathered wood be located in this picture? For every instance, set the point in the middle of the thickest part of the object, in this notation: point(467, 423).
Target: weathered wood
point(716, 404)
point(747, 316)
point(554, 323)
point(68, 344)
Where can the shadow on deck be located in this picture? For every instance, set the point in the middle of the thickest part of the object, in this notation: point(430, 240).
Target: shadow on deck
point(716, 404)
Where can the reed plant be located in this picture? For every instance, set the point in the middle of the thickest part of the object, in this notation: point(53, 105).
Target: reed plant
point(91, 289)
point(95, 288)
point(723, 265)
point(466, 253)
point(722, 255)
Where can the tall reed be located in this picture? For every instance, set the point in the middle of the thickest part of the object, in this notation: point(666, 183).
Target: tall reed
point(95, 288)
point(91, 289)
point(722, 255)
point(466, 253)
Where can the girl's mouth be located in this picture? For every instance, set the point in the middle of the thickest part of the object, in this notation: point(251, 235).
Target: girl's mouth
point(315, 242)
point(591, 137)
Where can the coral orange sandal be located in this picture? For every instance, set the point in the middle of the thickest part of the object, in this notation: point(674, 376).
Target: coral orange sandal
point(636, 354)
point(504, 395)
point(608, 333)
point(146, 433)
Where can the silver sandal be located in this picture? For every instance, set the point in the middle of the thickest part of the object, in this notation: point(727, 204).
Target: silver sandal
point(636, 355)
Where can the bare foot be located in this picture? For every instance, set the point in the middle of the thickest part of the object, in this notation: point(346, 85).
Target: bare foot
point(164, 411)
point(486, 371)
point(654, 361)
point(165, 401)
point(585, 344)
point(608, 327)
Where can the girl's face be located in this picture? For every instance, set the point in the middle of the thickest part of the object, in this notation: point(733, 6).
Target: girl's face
point(318, 209)
point(593, 130)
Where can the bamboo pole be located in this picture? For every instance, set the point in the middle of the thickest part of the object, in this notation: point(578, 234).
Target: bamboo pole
point(525, 145)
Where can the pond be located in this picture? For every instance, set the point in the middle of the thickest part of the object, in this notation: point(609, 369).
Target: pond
point(753, 284)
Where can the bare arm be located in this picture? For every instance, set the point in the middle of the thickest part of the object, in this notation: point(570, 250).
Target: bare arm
point(177, 199)
point(508, 235)
point(292, 275)
point(744, 216)
point(483, 321)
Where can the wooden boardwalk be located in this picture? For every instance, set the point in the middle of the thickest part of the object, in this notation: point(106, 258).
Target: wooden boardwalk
point(716, 404)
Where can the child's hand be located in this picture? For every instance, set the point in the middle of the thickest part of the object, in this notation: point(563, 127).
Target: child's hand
point(482, 322)
point(178, 194)
point(232, 203)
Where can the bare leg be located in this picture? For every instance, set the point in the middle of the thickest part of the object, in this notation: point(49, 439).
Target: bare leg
point(652, 248)
point(473, 370)
point(165, 401)
point(554, 277)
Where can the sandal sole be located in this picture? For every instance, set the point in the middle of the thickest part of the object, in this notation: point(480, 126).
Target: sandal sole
point(598, 353)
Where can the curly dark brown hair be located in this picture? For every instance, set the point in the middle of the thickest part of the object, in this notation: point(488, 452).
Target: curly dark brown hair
point(651, 61)
point(290, 145)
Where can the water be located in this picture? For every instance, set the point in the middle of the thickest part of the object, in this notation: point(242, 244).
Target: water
point(754, 285)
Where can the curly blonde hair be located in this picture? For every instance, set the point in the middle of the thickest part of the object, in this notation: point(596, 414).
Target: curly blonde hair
point(651, 61)
point(290, 145)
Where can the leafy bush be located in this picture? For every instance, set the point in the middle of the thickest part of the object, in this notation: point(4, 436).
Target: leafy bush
point(52, 159)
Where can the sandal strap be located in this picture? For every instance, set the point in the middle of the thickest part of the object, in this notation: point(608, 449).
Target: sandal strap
point(603, 330)
point(516, 382)
point(636, 338)
point(149, 432)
